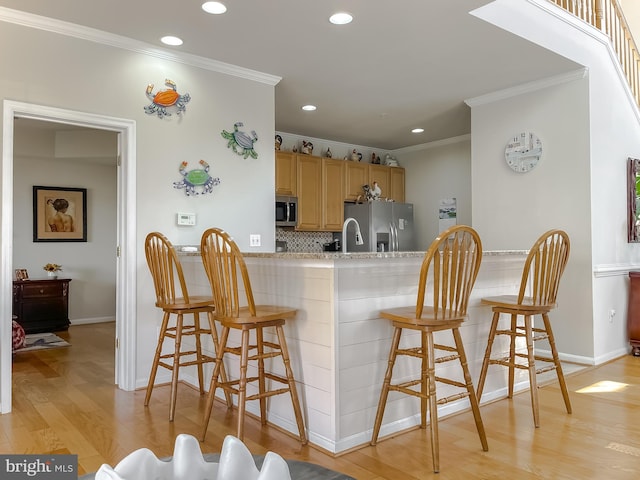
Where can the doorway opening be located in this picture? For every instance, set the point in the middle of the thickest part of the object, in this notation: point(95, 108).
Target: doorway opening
point(125, 236)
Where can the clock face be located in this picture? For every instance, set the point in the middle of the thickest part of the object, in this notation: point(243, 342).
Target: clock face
point(523, 152)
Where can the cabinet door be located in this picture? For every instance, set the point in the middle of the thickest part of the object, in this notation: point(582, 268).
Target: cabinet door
point(356, 175)
point(285, 173)
point(380, 174)
point(396, 190)
point(309, 192)
point(333, 194)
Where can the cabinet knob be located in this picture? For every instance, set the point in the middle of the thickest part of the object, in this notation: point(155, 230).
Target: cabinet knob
point(42, 290)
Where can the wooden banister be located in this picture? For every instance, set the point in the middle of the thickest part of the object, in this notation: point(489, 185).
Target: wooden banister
point(607, 16)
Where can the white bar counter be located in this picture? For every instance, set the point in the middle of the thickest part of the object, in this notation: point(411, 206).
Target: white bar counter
point(339, 345)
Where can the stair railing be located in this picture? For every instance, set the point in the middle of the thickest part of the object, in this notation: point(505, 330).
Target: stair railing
point(607, 16)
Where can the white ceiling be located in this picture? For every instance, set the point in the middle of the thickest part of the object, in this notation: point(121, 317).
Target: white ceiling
point(399, 65)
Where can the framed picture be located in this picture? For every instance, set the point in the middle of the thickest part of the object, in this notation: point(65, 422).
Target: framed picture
point(21, 274)
point(59, 214)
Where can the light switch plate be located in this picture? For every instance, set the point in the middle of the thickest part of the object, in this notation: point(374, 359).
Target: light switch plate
point(187, 219)
point(254, 240)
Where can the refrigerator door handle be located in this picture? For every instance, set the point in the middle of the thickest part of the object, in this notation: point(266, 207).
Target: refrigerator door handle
point(395, 235)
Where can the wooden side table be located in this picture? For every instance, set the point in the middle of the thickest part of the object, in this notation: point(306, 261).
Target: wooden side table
point(41, 305)
point(633, 313)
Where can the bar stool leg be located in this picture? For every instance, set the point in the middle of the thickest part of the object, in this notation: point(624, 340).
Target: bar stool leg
point(384, 393)
point(556, 361)
point(261, 383)
point(424, 384)
point(292, 384)
point(487, 353)
point(176, 367)
point(242, 385)
point(156, 358)
point(512, 352)
point(433, 402)
point(472, 394)
point(533, 382)
point(196, 326)
point(216, 347)
point(214, 381)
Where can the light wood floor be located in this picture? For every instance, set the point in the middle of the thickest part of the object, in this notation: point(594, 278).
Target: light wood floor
point(65, 402)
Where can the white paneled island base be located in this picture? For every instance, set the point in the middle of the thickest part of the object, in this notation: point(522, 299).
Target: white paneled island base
point(339, 345)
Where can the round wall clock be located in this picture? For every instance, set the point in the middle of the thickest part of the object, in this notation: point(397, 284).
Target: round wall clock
point(523, 152)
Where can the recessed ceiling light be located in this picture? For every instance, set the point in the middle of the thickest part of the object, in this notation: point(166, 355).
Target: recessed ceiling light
point(340, 18)
point(171, 40)
point(309, 108)
point(417, 130)
point(215, 8)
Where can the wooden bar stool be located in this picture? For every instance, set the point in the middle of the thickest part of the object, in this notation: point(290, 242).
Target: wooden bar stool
point(542, 271)
point(449, 268)
point(225, 267)
point(173, 298)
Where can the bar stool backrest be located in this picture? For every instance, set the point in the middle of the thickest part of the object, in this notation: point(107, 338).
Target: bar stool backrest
point(165, 269)
point(450, 266)
point(544, 267)
point(225, 266)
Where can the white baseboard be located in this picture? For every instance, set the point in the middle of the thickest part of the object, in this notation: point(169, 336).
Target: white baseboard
point(86, 321)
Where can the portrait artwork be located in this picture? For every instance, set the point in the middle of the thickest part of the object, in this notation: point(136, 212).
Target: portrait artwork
point(59, 214)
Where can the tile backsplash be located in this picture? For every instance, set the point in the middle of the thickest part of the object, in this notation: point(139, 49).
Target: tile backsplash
point(303, 242)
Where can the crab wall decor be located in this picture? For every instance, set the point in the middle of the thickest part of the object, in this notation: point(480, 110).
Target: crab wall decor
point(164, 99)
point(196, 181)
point(241, 142)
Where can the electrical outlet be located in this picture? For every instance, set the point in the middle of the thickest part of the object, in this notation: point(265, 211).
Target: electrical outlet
point(612, 313)
point(254, 240)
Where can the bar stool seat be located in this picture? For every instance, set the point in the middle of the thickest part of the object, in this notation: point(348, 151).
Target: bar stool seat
point(174, 299)
point(542, 272)
point(225, 267)
point(449, 268)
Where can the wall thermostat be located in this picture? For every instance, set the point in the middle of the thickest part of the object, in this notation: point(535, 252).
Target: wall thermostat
point(188, 219)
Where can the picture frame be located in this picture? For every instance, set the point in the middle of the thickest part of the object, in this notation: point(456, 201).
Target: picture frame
point(59, 214)
point(22, 274)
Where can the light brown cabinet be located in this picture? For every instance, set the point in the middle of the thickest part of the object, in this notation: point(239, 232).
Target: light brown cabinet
point(356, 175)
point(396, 184)
point(309, 192)
point(333, 194)
point(286, 178)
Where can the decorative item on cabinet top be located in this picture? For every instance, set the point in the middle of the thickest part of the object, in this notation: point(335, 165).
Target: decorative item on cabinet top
point(241, 142)
point(166, 99)
point(278, 142)
point(196, 181)
point(307, 147)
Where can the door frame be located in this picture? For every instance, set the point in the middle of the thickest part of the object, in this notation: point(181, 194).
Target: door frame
point(125, 255)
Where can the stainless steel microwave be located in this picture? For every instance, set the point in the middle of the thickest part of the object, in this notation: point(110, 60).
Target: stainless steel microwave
point(286, 211)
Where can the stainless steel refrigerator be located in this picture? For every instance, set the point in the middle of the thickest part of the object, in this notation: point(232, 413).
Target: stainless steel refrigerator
point(385, 226)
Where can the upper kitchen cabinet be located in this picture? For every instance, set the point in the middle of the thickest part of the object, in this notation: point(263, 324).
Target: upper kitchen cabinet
point(396, 184)
point(333, 194)
point(286, 177)
point(356, 175)
point(380, 174)
point(309, 170)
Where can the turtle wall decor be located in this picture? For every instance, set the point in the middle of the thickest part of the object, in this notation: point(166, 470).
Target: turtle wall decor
point(166, 99)
point(196, 181)
point(241, 142)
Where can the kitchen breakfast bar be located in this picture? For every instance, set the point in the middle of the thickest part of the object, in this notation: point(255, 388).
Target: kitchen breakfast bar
point(339, 345)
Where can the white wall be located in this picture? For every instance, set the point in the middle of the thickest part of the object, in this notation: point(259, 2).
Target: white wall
point(434, 172)
point(613, 131)
point(92, 77)
point(91, 265)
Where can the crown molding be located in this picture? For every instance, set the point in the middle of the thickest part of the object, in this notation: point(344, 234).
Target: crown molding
point(527, 87)
point(60, 27)
point(436, 143)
